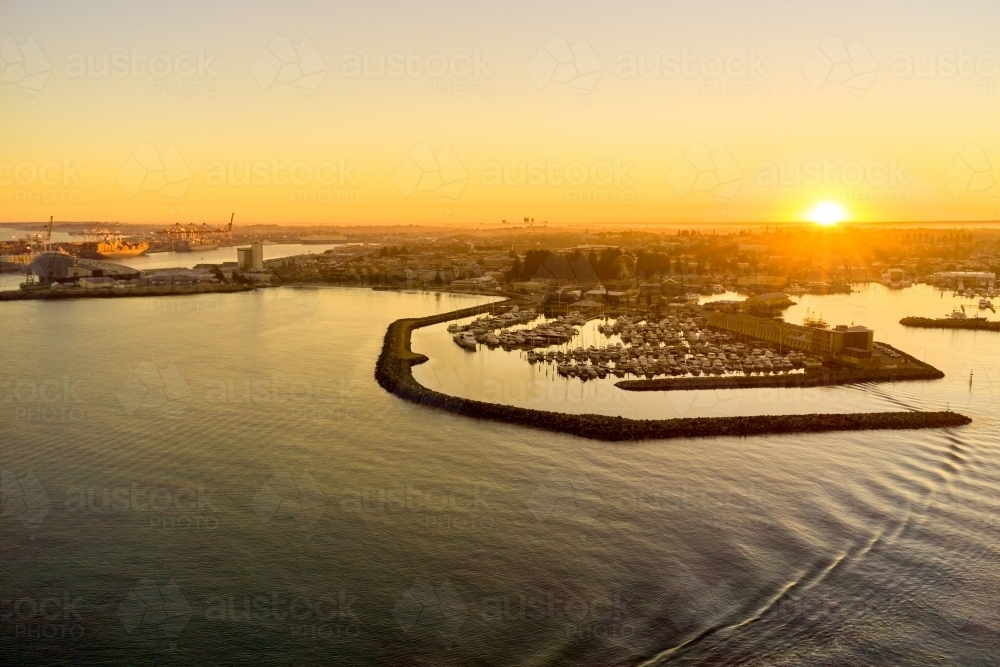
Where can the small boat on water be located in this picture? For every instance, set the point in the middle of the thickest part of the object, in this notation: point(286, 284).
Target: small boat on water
point(466, 340)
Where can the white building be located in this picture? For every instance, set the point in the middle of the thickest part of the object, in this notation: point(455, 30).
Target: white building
point(967, 278)
point(88, 282)
point(251, 258)
point(485, 282)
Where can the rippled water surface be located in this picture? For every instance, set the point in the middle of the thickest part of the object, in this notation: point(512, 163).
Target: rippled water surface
point(219, 479)
point(173, 260)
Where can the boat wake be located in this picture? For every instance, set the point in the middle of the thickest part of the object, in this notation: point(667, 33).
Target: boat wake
point(953, 457)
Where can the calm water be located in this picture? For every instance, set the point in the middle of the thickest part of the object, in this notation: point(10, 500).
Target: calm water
point(169, 260)
point(220, 480)
point(172, 260)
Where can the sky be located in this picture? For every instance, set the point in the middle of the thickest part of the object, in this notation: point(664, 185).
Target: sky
point(481, 112)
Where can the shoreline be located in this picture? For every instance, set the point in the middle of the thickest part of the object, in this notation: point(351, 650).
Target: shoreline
point(971, 324)
point(131, 292)
point(393, 372)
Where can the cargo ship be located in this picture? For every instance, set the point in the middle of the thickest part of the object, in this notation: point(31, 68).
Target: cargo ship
point(195, 245)
point(194, 238)
point(109, 245)
point(119, 248)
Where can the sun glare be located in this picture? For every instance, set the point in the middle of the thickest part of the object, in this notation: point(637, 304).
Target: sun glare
point(827, 213)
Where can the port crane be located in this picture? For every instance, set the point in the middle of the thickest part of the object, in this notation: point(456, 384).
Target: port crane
point(179, 231)
point(43, 241)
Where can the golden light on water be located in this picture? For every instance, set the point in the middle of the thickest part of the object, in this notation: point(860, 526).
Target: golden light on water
point(827, 213)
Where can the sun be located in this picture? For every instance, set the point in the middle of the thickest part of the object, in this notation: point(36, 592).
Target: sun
point(827, 213)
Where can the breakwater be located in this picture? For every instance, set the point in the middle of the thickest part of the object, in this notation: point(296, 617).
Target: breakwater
point(393, 372)
point(57, 295)
point(974, 324)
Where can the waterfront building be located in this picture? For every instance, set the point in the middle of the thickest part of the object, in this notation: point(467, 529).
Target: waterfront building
point(485, 282)
point(965, 278)
point(251, 258)
point(88, 282)
point(60, 267)
point(851, 345)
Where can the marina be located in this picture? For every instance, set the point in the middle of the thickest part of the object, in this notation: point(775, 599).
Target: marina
point(507, 376)
point(676, 346)
point(393, 373)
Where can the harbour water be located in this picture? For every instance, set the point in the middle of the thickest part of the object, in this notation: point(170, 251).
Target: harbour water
point(187, 260)
point(219, 479)
point(170, 260)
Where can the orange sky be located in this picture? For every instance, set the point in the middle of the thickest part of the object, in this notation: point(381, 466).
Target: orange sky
point(582, 112)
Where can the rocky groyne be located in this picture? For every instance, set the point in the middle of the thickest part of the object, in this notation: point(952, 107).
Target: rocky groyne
point(975, 324)
point(393, 373)
point(123, 293)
